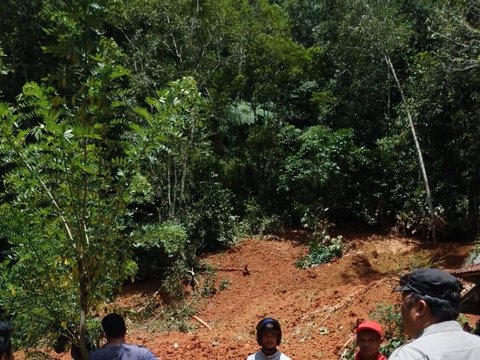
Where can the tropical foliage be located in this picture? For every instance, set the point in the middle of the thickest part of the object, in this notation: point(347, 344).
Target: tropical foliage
point(137, 134)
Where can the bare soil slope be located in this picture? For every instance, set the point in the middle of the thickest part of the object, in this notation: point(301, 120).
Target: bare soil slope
point(317, 307)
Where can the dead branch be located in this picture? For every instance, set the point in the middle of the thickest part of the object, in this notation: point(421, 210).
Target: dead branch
point(346, 345)
point(329, 310)
point(195, 317)
point(244, 270)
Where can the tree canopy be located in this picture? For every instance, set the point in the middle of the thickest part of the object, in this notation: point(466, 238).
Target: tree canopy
point(137, 134)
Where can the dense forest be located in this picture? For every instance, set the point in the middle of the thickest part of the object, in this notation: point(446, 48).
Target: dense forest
point(138, 134)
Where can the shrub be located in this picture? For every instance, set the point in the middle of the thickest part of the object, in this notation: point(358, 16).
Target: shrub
point(321, 254)
point(414, 219)
point(474, 256)
point(163, 250)
point(256, 222)
point(224, 284)
point(391, 319)
point(210, 220)
point(208, 288)
point(175, 317)
point(322, 247)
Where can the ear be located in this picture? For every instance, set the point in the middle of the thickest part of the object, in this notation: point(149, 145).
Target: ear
point(422, 308)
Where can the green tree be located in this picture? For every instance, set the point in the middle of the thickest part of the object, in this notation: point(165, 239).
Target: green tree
point(443, 87)
point(319, 177)
point(58, 168)
point(62, 148)
point(172, 137)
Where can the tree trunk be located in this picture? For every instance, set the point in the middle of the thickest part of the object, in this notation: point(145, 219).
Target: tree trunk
point(473, 205)
point(83, 311)
point(419, 152)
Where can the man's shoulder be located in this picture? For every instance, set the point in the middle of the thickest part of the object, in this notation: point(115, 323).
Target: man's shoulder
point(408, 351)
point(134, 351)
point(442, 342)
point(102, 353)
point(258, 355)
point(472, 337)
point(142, 351)
point(135, 346)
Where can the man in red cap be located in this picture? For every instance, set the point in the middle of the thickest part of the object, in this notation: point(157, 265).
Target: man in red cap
point(369, 338)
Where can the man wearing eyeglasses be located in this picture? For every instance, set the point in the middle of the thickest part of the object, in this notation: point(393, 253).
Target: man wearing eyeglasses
point(430, 307)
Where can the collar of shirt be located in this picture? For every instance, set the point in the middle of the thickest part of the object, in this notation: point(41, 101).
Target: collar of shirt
point(379, 356)
point(450, 325)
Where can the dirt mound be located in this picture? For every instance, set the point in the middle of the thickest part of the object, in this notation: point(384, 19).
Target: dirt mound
point(317, 307)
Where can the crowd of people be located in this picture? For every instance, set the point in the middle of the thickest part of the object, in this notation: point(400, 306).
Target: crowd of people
point(430, 306)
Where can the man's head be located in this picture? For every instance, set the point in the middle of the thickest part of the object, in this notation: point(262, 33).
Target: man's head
point(114, 326)
point(428, 296)
point(5, 340)
point(269, 333)
point(369, 338)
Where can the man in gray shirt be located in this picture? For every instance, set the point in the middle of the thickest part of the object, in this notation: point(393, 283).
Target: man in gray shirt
point(430, 307)
point(116, 349)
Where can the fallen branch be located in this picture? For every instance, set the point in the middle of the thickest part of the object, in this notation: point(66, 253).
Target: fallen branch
point(245, 270)
point(342, 350)
point(329, 310)
point(228, 269)
point(202, 322)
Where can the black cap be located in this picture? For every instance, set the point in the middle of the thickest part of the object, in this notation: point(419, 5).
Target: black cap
point(432, 282)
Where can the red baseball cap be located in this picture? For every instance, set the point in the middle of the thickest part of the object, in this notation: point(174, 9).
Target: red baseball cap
point(369, 325)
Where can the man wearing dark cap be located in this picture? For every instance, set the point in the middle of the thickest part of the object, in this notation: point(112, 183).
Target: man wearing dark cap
point(116, 348)
point(430, 307)
point(369, 338)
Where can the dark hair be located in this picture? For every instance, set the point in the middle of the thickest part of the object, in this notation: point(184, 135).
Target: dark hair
point(114, 326)
point(442, 309)
point(5, 337)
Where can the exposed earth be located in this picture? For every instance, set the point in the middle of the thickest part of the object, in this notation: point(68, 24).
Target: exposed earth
point(317, 307)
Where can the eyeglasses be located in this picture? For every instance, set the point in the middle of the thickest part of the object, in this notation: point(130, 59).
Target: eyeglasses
point(413, 289)
point(406, 283)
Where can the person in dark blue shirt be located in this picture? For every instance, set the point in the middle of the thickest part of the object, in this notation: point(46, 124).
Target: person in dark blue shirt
point(116, 348)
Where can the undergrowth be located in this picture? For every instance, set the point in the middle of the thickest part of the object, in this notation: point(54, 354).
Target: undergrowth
point(177, 315)
point(322, 247)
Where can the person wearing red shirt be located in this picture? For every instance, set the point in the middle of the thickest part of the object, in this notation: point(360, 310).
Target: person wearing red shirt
point(369, 338)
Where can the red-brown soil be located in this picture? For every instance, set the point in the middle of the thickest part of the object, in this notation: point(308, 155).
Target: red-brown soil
point(317, 307)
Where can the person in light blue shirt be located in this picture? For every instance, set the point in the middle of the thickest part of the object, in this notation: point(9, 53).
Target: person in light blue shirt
point(116, 348)
point(430, 306)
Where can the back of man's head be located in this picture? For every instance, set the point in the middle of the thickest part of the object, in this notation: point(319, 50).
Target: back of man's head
point(439, 289)
point(114, 326)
